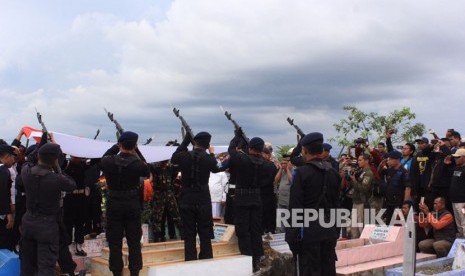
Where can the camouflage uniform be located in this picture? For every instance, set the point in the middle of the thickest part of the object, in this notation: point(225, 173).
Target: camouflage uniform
point(164, 201)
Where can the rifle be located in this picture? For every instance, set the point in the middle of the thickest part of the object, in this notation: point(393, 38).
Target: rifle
point(183, 122)
point(45, 131)
point(236, 125)
point(96, 135)
point(299, 131)
point(120, 131)
point(44, 128)
point(148, 141)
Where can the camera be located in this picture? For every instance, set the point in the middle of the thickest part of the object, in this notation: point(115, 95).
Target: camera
point(360, 141)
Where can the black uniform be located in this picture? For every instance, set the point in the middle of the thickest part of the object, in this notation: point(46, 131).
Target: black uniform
point(124, 205)
point(315, 186)
point(5, 208)
point(75, 203)
point(195, 201)
point(40, 227)
point(393, 184)
point(247, 201)
point(268, 197)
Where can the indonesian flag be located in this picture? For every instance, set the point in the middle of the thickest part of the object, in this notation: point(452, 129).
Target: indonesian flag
point(32, 133)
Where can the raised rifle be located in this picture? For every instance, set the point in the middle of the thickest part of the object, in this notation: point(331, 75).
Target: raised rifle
point(120, 131)
point(183, 122)
point(148, 141)
point(45, 131)
point(96, 135)
point(299, 131)
point(236, 125)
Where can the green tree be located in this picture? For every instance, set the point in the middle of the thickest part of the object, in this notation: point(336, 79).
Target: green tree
point(373, 126)
point(282, 150)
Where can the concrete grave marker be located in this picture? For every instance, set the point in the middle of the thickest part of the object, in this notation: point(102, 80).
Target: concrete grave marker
point(409, 245)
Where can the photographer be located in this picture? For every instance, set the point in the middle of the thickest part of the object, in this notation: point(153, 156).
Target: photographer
point(362, 180)
point(361, 146)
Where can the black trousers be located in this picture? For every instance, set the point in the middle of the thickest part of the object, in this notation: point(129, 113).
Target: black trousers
point(75, 208)
point(248, 223)
point(197, 219)
point(39, 245)
point(229, 208)
point(124, 217)
point(317, 259)
point(65, 259)
point(269, 213)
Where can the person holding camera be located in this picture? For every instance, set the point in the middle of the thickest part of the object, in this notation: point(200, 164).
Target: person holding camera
point(362, 182)
point(442, 224)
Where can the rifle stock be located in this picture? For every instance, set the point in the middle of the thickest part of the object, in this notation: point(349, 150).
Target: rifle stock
point(186, 127)
point(120, 130)
point(236, 126)
point(299, 131)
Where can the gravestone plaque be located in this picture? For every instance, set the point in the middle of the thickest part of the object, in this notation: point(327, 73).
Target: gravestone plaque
point(380, 233)
point(218, 231)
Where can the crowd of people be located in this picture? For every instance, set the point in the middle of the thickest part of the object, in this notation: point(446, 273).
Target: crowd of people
point(49, 201)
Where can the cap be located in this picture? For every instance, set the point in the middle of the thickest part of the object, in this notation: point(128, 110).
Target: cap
point(459, 153)
point(327, 147)
point(50, 149)
point(314, 137)
point(257, 143)
point(394, 154)
point(128, 136)
point(203, 135)
point(422, 140)
point(7, 148)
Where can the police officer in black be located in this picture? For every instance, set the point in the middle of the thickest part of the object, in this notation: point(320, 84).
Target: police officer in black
point(40, 225)
point(75, 204)
point(123, 171)
point(250, 170)
point(315, 186)
point(195, 201)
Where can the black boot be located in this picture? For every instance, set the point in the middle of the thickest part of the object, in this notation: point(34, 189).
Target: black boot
point(255, 263)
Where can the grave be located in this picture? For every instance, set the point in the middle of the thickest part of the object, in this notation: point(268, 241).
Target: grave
point(435, 266)
point(224, 245)
point(377, 249)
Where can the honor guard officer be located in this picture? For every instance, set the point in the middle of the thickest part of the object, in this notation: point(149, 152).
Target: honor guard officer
point(40, 225)
point(247, 202)
point(316, 187)
point(7, 160)
point(123, 171)
point(195, 200)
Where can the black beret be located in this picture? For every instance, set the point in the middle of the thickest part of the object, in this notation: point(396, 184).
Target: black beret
point(327, 146)
point(394, 154)
point(50, 149)
point(422, 140)
point(314, 137)
point(257, 143)
point(203, 135)
point(7, 148)
point(128, 136)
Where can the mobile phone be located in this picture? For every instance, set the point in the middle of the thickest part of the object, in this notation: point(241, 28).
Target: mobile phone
point(422, 200)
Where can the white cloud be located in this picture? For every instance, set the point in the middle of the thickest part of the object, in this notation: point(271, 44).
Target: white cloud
point(260, 58)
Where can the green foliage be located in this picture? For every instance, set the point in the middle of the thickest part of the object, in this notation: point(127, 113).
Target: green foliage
point(282, 150)
point(373, 126)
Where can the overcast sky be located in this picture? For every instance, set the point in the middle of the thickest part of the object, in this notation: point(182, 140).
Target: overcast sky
point(258, 59)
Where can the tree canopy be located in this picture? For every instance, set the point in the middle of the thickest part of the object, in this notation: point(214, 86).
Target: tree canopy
point(373, 126)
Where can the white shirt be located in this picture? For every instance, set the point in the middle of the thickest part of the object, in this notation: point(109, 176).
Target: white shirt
point(217, 184)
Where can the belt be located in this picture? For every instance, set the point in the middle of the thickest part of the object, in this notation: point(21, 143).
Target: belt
point(231, 186)
point(243, 191)
point(78, 192)
point(35, 215)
